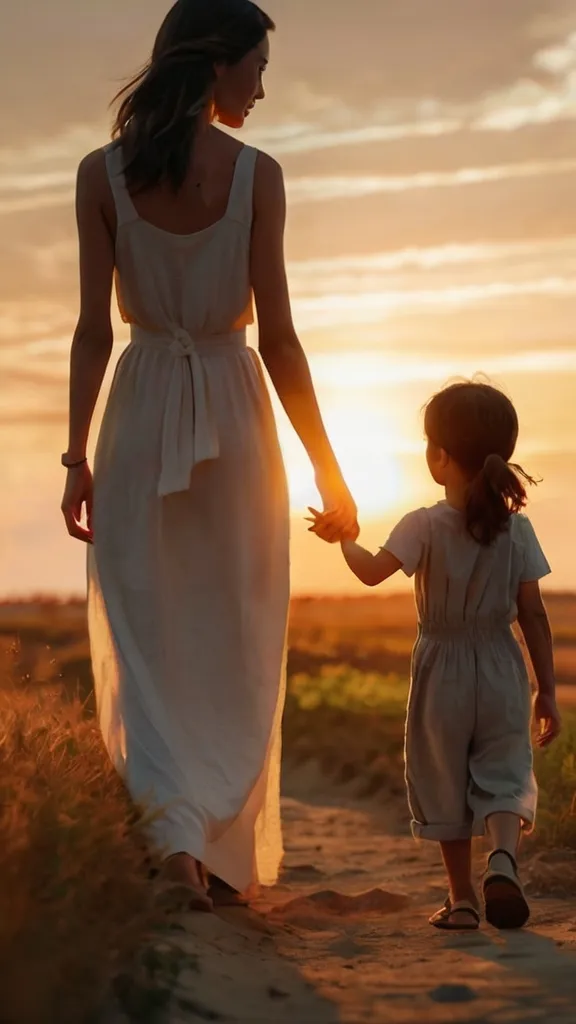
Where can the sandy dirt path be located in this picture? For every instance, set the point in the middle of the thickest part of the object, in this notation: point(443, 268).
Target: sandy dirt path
point(344, 939)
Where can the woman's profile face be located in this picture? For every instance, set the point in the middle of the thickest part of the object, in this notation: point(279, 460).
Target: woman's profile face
point(239, 86)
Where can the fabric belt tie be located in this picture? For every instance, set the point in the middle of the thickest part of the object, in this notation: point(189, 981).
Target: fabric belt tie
point(189, 430)
point(479, 630)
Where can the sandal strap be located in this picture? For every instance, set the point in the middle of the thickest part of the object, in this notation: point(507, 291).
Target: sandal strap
point(465, 906)
point(506, 854)
point(448, 908)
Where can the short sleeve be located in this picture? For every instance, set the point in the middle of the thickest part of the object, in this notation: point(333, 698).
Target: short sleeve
point(534, 563)
point(407, 540)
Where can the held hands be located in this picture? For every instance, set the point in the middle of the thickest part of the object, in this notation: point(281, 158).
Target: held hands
point(78, 494)
point(547, 717)
point(323, 525)
point(338, 520)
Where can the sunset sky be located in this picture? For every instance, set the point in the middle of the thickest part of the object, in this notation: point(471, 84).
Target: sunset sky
point(429, 148)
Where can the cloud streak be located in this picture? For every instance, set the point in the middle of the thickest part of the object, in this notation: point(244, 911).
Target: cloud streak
point(54, 153)
point(33, 320)
point(546, 96)
point(356, 308)
point(368, 371)
point(422, 281)
point(323, 189)
point(435, 256)
point(346, 290)
point(31, 195)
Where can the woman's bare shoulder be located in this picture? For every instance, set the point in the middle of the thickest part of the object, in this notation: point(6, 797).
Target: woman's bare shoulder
point(267, 167)
point(92, 167)
point(93, 184)
point(268, 183)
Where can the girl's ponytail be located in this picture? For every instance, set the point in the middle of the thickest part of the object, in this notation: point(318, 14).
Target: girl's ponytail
point(476, 426)
point(494, 494)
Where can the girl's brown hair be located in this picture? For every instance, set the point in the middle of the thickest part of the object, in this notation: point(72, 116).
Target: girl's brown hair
point(477, 426)
point(159, 109)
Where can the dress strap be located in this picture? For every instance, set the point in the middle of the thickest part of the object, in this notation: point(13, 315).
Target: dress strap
point(241, 201)
point(125, 209)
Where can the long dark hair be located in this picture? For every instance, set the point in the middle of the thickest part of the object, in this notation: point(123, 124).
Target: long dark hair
point(159, 109)
point(477, 426)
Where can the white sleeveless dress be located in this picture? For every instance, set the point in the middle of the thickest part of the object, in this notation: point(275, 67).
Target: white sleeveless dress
point(189, 571)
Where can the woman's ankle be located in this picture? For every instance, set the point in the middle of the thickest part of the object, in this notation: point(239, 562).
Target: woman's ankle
point(182, 867)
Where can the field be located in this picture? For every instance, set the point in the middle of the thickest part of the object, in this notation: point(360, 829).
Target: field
point(44, 642)
point(73, 858)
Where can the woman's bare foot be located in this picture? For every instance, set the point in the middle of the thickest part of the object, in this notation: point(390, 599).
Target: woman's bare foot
point(183, 870)
point(224, 895)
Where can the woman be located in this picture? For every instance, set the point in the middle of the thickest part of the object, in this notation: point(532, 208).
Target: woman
point(188, 518)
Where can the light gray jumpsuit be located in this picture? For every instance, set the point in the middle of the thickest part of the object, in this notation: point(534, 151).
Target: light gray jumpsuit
point(468, 749)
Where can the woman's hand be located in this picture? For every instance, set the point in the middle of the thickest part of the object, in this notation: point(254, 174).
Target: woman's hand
point(78, 494)
point(323, 528)
point(548, 720)
point(339, 519)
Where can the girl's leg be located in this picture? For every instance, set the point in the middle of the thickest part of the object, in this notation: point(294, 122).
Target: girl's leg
point(461, 910)
point(504, 830)
point(457, 856)
point(504, 899)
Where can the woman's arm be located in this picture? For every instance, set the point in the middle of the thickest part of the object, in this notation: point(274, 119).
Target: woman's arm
point(368, 568)
point(533, 622)
point(280, 347)
point(93, 337)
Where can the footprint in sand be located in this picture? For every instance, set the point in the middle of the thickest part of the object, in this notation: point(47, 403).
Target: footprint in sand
point(320, 907)
point(301, 873)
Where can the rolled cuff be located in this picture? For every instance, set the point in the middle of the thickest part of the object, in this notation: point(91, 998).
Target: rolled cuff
point(485, 809)
point(446, 833)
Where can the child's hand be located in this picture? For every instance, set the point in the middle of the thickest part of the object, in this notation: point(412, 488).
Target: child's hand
point(352, 534)
point(548, 718)
point(323, 527)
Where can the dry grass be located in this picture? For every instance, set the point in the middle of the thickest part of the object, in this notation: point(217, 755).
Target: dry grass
point(556, 771)
point(75, 900)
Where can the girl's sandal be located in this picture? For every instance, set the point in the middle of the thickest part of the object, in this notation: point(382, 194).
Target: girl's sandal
point(443, 918)
point(223, 895)
point(504, 899)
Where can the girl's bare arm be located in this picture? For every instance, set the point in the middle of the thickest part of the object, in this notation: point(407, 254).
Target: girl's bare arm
point(368, 568)
point(533, 621)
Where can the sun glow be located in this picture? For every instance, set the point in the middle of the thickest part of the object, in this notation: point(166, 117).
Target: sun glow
point(366, 445)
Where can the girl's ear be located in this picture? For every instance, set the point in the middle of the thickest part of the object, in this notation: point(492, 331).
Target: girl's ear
point(443, 458)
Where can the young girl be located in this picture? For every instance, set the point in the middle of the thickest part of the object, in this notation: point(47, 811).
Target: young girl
point(477, 564)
